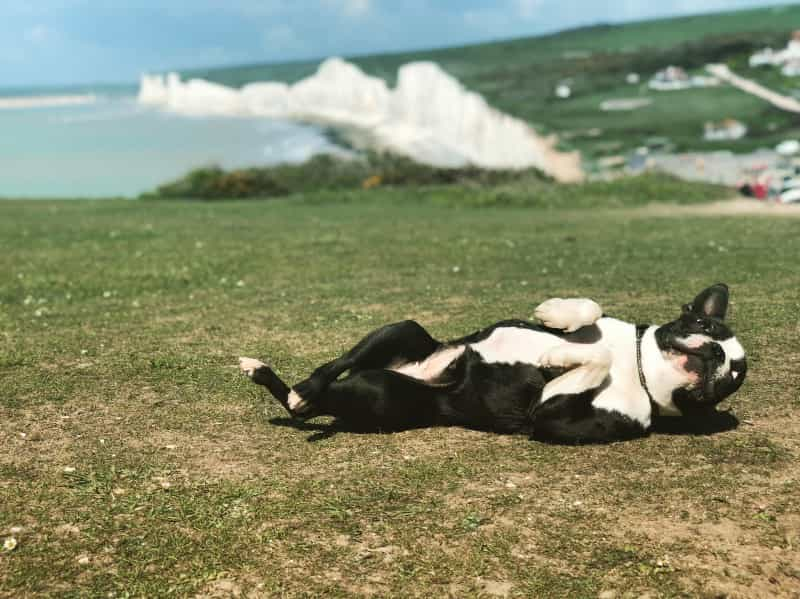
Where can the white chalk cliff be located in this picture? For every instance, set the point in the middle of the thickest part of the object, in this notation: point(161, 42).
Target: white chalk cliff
point(429, 116)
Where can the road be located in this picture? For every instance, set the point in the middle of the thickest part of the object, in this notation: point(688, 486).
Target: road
point(751, 87)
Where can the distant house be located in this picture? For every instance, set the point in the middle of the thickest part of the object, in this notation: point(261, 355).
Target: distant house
point(791, 68)
point(673, 78)
point(788, 58)
point(563, 91)
point(763, 57)
point(669, 79)
point(726, 130)
point(639, 160)
point(788, 147)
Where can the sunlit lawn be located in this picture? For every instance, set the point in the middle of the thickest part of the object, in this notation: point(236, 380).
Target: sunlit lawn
point(137, 462)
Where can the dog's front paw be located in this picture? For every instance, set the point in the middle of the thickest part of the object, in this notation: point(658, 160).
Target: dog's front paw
point(556, 357)
point(568, 314)
point(248, 366)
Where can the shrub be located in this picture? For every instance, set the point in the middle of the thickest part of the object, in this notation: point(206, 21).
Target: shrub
point(326, 172)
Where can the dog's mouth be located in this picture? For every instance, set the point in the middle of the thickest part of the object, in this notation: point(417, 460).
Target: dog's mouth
point(707, 381)
point(699, 359)
point(693, 368)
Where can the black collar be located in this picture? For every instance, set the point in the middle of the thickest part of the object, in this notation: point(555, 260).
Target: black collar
point(640, 331)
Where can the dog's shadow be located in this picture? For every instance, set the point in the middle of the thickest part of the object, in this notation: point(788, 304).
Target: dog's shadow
point(710, 423)
point(326, 430)
point(322, 430)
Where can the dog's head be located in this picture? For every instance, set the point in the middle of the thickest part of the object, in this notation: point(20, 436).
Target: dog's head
point(706, 348)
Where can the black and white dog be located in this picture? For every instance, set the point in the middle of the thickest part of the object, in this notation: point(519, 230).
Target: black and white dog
point(577, 377)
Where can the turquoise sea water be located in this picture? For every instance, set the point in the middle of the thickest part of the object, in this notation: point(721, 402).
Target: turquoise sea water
point(115, 147)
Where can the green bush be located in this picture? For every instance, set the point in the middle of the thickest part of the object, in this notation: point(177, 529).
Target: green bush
point(326, 172)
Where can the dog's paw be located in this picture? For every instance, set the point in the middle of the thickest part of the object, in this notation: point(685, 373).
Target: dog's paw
point(249, 366)
point(568, 314)
point(297, 404)
point(556, 357)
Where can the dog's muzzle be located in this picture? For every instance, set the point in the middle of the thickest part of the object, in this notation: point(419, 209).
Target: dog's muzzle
point(718, 388)
point(707, 360)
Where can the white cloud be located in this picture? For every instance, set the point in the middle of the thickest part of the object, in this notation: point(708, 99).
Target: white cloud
point(350, 8)
point(527, 9)
point(38, 34)
point(356, 8)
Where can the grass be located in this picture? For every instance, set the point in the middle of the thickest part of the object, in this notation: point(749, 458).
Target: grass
point(122, 321)
point(519, 77)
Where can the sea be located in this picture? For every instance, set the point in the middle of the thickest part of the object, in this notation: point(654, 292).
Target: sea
point(98, 142)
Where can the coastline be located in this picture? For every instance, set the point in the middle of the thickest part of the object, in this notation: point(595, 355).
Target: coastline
point(54, 101)
point(428, 116)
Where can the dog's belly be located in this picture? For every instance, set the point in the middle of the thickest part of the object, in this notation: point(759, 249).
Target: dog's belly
point(506, 345)
point(432, 366)
point(512, 345)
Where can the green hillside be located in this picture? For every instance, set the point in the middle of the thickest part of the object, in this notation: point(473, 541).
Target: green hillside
point(519, 76)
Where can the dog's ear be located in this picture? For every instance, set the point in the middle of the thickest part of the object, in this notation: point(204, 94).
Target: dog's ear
point(710, 302)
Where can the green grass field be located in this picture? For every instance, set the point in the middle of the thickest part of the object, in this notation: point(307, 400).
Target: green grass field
point(520, 76)
point(137, 462)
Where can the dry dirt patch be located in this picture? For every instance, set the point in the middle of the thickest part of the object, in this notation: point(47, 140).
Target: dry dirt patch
point(734, 207)
point(726, 559)
point(40, 437)
point(746, 547)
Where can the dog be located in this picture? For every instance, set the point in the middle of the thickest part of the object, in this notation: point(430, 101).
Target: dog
point(577, 377)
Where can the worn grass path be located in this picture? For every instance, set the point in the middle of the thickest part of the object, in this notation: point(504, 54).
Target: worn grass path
point(136, 462)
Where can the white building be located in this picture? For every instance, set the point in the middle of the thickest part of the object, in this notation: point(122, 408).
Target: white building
point(670, 78)
point(788, 58)
point(673, 78)
point(726, 130)
point(791, 68)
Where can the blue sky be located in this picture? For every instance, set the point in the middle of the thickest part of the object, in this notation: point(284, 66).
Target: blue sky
point(77, 41)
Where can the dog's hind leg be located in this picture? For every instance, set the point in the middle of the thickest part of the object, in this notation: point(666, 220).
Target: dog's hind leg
point(396, 343)
point(568, 314)
point(261, 374)
point(382, 400)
